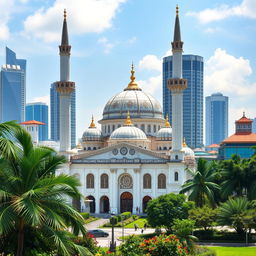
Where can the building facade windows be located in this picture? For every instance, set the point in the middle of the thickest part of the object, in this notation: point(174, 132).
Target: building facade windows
point(104, 181)
point(176, 176)
point(147, 181)
point(161, 181)
point(90, 181)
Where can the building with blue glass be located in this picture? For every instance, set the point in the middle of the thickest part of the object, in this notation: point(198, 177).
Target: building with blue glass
point(216, 117)
point(38, 111)
point(12, 88)
point(192, 70)
point(241, 143)
point(55, 115)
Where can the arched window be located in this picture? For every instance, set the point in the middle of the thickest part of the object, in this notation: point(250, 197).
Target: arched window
point(176, 157)
point(165, 148)
point(154, 128)
point(161, 181)
point(142, 127)
point(147, 181)
point(89, 148)
point(90, 181)
point(113, 127)
point(119, 125)
point(94, 148)
point(149, 128)
point(176, 176)
point(108, 128)
point(104, 181)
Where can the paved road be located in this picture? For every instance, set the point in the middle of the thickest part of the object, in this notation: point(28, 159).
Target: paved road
point(96, 224)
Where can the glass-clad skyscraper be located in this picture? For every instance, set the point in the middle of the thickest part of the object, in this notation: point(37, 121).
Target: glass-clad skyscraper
point(39, 111)
point(12, 88)
point(55, 115)
point(193, 70)
point(216, 115)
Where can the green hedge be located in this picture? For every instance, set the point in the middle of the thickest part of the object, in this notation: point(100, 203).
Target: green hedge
point(85, 215)
point(126, 215)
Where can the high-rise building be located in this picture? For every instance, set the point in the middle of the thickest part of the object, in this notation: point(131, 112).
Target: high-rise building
point(63, 97)
point(38, 111)
point(216, 116)
point(55, 115)
point(12, 88)
point(192, 70)
point(254, 125)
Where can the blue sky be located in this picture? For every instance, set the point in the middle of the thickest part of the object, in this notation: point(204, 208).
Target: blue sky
point(107, 35)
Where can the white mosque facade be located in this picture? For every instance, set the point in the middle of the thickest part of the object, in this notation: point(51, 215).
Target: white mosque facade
point(136, 155)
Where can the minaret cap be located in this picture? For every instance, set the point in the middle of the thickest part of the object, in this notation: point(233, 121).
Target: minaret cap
point(184, 142)
point(177, 9)
point(92, 125)
point(65, 14)
point(167, 123)
point(128, 121)
point(132, 85)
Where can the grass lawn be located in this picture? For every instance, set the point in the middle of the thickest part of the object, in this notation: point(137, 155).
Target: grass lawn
point(140, 222)
point(234, 251)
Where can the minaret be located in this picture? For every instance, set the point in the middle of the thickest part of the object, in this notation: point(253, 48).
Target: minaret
point(177, 85)
point(65, 87)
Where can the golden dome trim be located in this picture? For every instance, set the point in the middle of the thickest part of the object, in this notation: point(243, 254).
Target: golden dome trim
point(167, 123)
point(132, 85)
point(92, 125)
point(184, 142)
point(128, 121)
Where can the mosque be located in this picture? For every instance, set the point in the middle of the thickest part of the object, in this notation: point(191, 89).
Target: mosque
point(133, 154)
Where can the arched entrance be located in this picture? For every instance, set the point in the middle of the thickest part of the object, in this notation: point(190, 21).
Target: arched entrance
point(126, 202)
point(76, 203)
point(104, 204)
point(145, 201)
point(92, 204)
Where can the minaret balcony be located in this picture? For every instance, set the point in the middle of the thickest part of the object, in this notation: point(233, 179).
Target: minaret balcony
point(65, 49)
point(177, 84)
point(177, 46)
point(65, 87)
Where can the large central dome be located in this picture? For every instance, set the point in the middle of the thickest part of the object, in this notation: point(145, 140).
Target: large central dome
point(133, 99)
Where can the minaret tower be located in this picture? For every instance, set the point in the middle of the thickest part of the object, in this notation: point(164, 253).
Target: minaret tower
point(177, 85)
point(65, 87)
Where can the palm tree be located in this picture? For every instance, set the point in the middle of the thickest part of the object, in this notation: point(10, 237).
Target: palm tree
point(233, 212)
point(32, 197)
point(234, 177)
point(201, 186)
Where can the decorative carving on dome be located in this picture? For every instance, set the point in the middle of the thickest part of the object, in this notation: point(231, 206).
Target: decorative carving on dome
point(126, 182)
point(123, 150)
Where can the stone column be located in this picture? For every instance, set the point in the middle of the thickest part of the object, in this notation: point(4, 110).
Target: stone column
point(113, 191)
point(137, 191)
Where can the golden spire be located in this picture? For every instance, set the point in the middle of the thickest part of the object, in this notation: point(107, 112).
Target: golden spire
point(167, 124)
point(128, 121)
point(132, 85)
point(65, 14)
point(92, 125)
point(184, 142)
point(177, 10)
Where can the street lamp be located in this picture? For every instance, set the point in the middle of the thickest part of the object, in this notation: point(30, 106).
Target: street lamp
point(122, 217)
point(112, 247)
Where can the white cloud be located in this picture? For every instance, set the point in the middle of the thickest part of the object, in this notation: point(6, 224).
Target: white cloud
point(84, 16)
point(152, 84)
point(44, 99)
point(228, 74)
point(7, 6)
point(132, 40)
point(245, 9)
point(151, 62)
point(106, 44)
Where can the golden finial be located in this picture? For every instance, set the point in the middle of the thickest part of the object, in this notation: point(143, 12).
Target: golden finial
point(92, 125)
point(167, 123)
point(184, 142)
point(65, 14)
point(128, 120)
point(132, 85)
point(177, 10)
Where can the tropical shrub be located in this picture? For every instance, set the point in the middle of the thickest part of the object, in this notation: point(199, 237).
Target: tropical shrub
point(126, 215)
point(131, 247)
point(204, 217)
point(162, 211)
point(85, 215)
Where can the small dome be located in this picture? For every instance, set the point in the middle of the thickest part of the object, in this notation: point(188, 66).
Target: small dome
point(188, 151)
point(128, 132)
point(92, 133)
point(166, 132)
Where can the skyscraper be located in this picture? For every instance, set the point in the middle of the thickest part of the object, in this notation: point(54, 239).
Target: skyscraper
point(12, 88)
point(65, 90)
point(254, 125)
point(192, 70)
point(216, 116)
point(55, 115)
point(38, 111)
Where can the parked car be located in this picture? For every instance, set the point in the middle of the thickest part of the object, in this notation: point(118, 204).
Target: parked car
point(98, 233)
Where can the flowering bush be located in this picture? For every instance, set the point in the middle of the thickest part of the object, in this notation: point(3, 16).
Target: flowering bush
point(87, 241)
point(163, 245)
point(158, 245)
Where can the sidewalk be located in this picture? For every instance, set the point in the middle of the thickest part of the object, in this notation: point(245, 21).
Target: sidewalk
point(95, 224)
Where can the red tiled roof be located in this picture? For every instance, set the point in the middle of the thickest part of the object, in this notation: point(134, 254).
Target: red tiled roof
point(32, 122)
point(213, 152)
point(241, 138)
point(244, 120)
point(213, 146)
